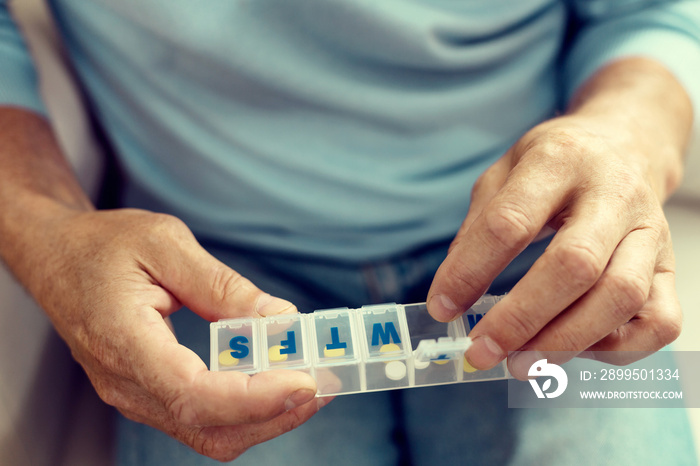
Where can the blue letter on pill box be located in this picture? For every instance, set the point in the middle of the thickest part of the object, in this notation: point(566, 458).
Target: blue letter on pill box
point(386, 333)
point(239, 349)
point(290, 344)
point(335, 340)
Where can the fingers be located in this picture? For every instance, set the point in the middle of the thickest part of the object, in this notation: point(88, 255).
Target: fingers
point(226, 442)
point(126, 271)
point(595, 275)
point(510, 220)
point(227, 398)
point(218, 414)
point(631, 296)
point(192, 395)
point(655, 326)
point(175, 375)
point(572, 264)
point(201, 282)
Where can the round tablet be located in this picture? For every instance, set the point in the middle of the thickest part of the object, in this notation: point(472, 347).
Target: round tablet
point(395, 370)
point(225, 359)
point(440, 362)
point(420, 364)
point(389, 348)
point(467, 367)
point(274, 354)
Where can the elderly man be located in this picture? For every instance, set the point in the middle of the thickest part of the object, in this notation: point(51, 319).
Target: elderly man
point(342, 152)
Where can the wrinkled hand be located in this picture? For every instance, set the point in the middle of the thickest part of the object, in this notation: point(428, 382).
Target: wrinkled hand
point(109, 285)
point(606, 281)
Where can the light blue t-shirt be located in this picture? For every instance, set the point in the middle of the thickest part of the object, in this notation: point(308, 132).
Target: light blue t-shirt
point(349, 129)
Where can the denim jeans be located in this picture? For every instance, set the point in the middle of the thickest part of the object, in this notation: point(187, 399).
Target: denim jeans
point(451, 425)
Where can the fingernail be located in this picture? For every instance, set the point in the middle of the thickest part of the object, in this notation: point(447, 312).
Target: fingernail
point(443, 308)
point(268, 305)
point(519, 363)
point(299, 398)
point(484, 353)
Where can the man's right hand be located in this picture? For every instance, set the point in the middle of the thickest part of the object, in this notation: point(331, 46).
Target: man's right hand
point(109, 281)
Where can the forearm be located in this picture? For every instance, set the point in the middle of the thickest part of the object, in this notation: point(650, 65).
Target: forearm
point(37, 187)
point(647, 110)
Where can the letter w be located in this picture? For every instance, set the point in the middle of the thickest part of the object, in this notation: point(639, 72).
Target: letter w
point(386, 333)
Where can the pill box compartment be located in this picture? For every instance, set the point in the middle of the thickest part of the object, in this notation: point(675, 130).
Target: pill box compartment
point(233, 346)
point(444, 367)
point(469, 320)
point(285, 343)
point(338, 365)
point(386, 347)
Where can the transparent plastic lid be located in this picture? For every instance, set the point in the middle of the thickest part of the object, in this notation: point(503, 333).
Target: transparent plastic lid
point(378, 347)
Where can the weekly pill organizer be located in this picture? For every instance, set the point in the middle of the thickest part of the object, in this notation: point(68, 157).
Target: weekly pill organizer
point(377, 347)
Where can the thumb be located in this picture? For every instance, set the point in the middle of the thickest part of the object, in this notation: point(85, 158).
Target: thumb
point(204, 284)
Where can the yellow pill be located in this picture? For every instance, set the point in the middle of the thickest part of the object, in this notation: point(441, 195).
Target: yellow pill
point(440, 362)
point(274, 354)
point(468, 367)
point(225, 359)
point(333, 353)
point(389, 348)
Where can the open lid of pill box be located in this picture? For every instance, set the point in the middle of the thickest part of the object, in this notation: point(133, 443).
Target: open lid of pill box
point(377, 347)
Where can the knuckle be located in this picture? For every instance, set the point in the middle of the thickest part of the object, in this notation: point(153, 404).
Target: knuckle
point(667, 329)
point(180, 407)
point(612, 341)
point(226, 284)
point(628, 292)
point(624, 184)
point(209, 444)
point(167, 222)
point(480, 183)
point(510, 224)
point(156, 230)
point(111, 395)
point(674, 176)
point(579, 262)
point(657, 227)
point(462, 277)
point(206, 444)
point(115, 391)
point(557, 141)
point(569, 340)
point(162, 226)
point(518, 327)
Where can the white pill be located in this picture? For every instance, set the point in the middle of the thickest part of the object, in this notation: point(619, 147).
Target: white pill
point(419, 364)
point(395, 370)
